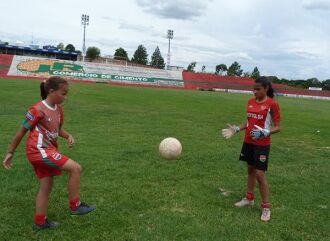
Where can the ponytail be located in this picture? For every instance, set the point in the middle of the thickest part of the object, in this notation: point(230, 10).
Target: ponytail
point(43, 92)
point(53, 83)
point(266, 83)
point(270, 91)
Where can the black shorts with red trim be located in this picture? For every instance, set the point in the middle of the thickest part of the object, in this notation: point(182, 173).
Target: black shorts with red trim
point(255, 155)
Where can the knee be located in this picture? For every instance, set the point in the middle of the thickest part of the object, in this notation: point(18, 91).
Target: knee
point(260, 176)
point(77, 168)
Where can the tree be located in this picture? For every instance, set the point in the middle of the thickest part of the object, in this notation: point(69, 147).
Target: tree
point(191, 67)
point(140, 56)
point(220, 68)
point(313, 82)
point(235, 70)
point(247, 74)
point(121, 54)
point(60, 46)
point(203, 68)
point(255, 73)
point(157, 60)
point(70, 48)
point(93, 53)
point(326, 84)
point(48, 47)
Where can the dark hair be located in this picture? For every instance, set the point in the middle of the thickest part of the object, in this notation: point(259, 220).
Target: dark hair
point(53, 83)
point(264, 81)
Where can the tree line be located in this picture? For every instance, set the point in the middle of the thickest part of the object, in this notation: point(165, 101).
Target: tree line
point(140, 55)
point(222, 69)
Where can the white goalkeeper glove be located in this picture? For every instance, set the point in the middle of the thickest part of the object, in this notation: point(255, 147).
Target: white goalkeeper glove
point(231, 131)
point(259, 133)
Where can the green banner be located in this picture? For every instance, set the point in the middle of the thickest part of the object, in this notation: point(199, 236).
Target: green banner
point(115, 78)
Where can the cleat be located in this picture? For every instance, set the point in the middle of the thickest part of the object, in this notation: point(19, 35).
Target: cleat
point(265, 216)
point(244, 202)
point(47, 225)
point(83, 209)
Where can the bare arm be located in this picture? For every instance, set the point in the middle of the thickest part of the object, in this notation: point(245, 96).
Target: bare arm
point(66, 135)
point(243, 126)
point(276, 128)
point(7, 162)
point(63, 133)
point(17, 139)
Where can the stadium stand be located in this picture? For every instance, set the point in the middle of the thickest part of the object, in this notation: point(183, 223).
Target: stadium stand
point(202, 81)
point(138, 71)
point(34, 50)
point(210, 81)
point(5, 62)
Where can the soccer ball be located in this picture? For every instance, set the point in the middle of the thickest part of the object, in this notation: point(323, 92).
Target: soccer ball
point(170, 148)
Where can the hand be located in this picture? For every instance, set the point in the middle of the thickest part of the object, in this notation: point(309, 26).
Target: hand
point(259, 133)
point(231, 131)
point(71, 141)
point(7, 162)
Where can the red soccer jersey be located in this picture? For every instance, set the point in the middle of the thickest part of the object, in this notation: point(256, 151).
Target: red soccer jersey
point(44, 123)
point(264, 115)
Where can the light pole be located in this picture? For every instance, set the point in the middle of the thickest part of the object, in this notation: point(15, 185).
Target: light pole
point(84, 22)
point(169, 36)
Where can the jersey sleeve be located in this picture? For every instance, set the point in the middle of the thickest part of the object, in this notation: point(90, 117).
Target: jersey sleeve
point(275, 112)
point(32, 117)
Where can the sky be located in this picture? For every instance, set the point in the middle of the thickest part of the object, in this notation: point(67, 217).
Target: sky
point(286, 38)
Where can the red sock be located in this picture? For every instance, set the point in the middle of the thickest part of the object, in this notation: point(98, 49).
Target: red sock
point(40, 219)
point(250, 196)
point(265, 205)
point(74, 203)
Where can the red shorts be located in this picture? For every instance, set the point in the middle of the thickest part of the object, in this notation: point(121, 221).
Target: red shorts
point(49, 164)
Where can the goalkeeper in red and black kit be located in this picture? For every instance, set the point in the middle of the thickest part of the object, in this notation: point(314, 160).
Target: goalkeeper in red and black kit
point(263, 120)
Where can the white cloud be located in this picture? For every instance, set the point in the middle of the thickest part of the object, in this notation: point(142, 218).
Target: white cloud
point(316, 5)
point(174, 9)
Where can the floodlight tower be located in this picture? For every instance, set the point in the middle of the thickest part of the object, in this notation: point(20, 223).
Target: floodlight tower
point(84, 22)
point(169, 36)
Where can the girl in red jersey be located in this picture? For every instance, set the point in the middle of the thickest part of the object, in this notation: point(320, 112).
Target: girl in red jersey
point(44, 120)
point(263, 120)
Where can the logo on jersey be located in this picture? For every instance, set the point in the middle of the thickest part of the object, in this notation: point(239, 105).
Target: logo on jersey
point(255, 116)
point(250, 106)
point(30, 116)
point(51, 135)
point(57, 156)
point(262, 158)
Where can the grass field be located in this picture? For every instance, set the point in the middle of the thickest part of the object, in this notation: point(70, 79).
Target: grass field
point(140, 196)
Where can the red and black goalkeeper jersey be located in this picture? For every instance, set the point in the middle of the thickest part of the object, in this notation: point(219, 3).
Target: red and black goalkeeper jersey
point(264, 115)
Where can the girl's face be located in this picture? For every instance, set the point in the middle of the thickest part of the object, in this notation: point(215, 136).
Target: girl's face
point(58, 96)
point(259, 91)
